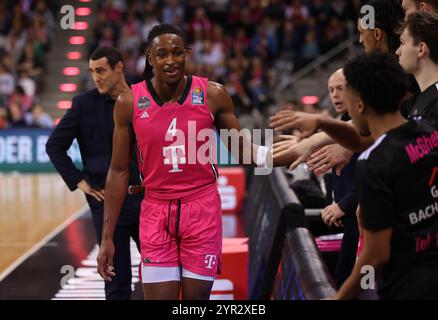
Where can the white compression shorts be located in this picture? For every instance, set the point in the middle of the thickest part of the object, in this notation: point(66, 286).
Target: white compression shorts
point(164, 274)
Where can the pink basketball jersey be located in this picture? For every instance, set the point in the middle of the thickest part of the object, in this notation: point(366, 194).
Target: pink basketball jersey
point(176, 143)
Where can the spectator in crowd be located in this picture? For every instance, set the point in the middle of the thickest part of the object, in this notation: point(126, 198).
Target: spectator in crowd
point(310, 50)
point(150, 20)
point(30, 61)
point(256, 82)
point(16, 116)
point(19, 96)
point(333, 34)
point(38, 118)
point(26, 34)
point(130, 66)
point(7, 83)
point(5, 19)
point(16, 40)
point(287, 41)
point(173, 12)
point(27, 83)
point(3, 118)
point(46, 15)
point(130, 37)
point(201, 23)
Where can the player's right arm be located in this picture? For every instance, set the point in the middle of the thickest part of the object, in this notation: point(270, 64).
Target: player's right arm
point(117, 181)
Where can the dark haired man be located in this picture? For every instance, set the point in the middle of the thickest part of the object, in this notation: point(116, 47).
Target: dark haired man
point(418, 55)
point(90, 121)
point(180, 220)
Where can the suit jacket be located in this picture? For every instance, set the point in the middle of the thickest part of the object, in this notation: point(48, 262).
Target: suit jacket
point(344, 186)
point(90, 121)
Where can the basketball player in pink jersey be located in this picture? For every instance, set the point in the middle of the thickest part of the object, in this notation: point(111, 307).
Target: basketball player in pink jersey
point(181, 218)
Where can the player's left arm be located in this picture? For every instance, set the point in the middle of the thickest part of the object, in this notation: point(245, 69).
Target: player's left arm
point(222, 107)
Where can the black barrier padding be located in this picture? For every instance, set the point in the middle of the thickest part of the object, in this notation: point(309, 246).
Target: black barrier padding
point(293, 216)
point(262, 245)
point(254, 201)
point(318, 228)
point(269, 223)
point(302, 274)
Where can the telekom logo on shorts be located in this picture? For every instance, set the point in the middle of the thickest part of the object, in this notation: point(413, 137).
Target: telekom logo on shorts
point(210, 260)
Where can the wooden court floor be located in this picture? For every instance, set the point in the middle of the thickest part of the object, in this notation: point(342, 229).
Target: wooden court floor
point(32, 206)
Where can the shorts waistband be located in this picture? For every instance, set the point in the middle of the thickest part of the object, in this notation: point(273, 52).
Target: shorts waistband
point(156, 197)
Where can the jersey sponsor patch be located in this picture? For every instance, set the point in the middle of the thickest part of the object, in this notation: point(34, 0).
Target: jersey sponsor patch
point(143, 103)
point(197, 96)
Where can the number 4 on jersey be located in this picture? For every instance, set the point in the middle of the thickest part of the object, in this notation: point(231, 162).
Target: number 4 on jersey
point(172, 127)
point(170, 153)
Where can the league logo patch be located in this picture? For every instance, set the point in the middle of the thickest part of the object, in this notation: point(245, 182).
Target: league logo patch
point(143, 103)
point(197, 96)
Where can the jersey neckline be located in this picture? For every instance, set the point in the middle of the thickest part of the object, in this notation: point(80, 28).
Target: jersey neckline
point(160, 102)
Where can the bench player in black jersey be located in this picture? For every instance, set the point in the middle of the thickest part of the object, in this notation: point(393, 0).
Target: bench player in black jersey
point(397, 181)
point(418, 55)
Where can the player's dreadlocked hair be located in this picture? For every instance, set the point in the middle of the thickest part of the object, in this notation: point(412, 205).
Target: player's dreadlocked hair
point(155, 32)
point(389, 15)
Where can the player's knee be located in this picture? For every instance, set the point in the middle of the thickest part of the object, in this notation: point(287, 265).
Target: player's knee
point(196, 286)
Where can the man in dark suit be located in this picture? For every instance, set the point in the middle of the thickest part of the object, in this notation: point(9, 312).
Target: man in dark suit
point(343, 210)
point(90, 121)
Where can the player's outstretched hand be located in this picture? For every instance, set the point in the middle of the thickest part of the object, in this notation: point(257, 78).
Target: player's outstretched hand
point(290, 151)
point(307, 123)
point(328, 157)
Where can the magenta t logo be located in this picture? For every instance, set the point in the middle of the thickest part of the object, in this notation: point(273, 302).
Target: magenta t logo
point(173, 159)
point(210, 260)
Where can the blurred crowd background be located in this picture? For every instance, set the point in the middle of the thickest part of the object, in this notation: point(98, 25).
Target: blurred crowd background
point(246, 45)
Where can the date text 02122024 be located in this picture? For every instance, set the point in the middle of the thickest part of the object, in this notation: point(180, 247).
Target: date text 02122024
point(220, 309)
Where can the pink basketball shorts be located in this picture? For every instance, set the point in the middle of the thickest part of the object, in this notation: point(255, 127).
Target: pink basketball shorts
point(185, 232)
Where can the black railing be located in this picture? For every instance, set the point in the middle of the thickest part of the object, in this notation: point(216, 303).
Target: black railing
point(302, 274)
point(273, 211)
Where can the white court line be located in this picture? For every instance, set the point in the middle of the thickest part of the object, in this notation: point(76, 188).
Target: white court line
point(42, 242)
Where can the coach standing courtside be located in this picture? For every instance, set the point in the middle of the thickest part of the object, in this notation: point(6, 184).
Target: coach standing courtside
point(90, 121)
